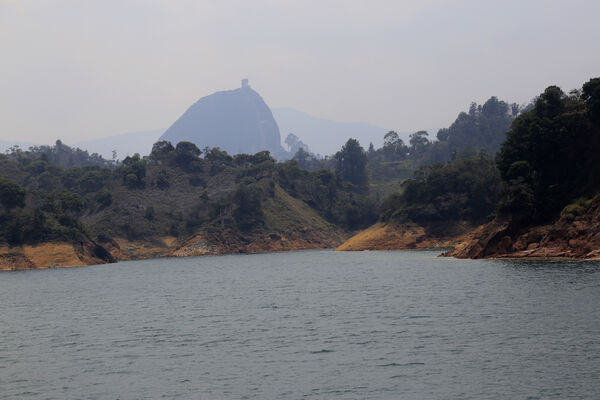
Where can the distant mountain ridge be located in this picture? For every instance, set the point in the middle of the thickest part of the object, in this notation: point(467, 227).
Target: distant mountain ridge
point(322, 136)
point(238, 121)
point(325, 136)
point(125, 144)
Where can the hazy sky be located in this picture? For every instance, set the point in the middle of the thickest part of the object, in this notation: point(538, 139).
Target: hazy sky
point(76, 70)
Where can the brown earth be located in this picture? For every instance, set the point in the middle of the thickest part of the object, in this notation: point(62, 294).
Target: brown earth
point(577, 238)
point(50, 255)
point(383, 236)
point(202, 244)
point(289, 224)
point(567, 238)
point(123, 249)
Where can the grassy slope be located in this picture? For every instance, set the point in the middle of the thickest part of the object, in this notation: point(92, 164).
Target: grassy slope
point(127, 216)
point(291, 222)
point(285, 213)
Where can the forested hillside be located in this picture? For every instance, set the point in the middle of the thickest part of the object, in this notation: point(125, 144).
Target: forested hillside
point(480, 131)
point(549, 203)
point(159, 201)
point(182, 200)
point(550, 157)
point(541, 187)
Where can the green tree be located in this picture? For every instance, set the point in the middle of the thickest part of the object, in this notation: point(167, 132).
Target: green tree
point(11, 194)
point(418, 141)
point(186, 154)
point(351, 163)
point(162, 179)
point(92, 181)
point(466, 189)
point(187, 148)
point(104, 197)
point(218, 156)
point(248, 201)
point(134, 170)
point(591, 95)
point(162, 152)
point(390, 139)
point(549, 156)
point(302, 157)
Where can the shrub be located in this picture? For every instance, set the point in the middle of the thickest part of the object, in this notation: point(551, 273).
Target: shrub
point(104, 197)
point(92, 181)
point(131, 181)
point(162, 181)
point(195, 166)
point(149, 215)
point(196, 181)
point(575, 209)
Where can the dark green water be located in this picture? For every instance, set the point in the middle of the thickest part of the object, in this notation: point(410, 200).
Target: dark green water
point(316, 324)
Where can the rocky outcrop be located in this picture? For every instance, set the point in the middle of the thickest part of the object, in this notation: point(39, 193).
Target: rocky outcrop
point(202, 244)
point(576, 238)
point(382, 236)
point(238, 121)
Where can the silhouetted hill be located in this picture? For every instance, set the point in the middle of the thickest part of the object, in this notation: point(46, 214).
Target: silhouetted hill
point(237, 121)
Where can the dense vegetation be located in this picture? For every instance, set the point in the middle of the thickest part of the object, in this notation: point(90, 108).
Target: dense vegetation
point(550, 156)
point(176, 190)
point(52, 216)
point(41, 200)
point(548, 162)
point(481, 130)
point(61, 155)
point(466, 189)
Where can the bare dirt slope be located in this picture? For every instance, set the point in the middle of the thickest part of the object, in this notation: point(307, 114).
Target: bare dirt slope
point(383, 236)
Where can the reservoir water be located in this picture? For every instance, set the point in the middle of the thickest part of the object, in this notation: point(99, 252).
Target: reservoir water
point(311, 324)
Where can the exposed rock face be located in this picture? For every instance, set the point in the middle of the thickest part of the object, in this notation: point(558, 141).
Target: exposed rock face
point(238, 121)
point(202, 244)
point(579, 239)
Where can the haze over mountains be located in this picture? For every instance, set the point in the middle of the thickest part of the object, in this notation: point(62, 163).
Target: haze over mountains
point(125, 144)
point(325, 136)
point(238, 121)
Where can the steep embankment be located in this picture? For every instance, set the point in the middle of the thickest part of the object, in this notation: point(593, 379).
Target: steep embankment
point(52, 254)
point(576, 237)
point(382, 236)
point(137, 223)
point(289, 224)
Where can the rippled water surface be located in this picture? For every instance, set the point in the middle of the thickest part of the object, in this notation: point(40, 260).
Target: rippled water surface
point(316, 324)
